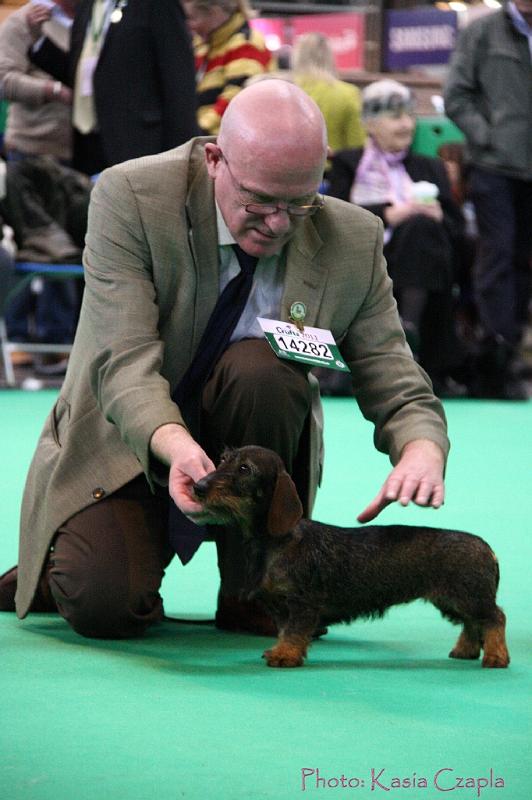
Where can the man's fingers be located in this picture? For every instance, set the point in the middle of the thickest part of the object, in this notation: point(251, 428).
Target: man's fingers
point(374, 508)
point(391, 489)
point(438, 496)
point(410, 490)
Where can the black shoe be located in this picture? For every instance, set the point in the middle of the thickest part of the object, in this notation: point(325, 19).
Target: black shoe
point(8, 588)
point(42, 600)
point(249, 617)
point(493, 378)
point(521, 369)
point(514, 389)
point(244, 617)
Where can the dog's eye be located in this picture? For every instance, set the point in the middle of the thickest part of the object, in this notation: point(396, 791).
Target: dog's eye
point(244, 469)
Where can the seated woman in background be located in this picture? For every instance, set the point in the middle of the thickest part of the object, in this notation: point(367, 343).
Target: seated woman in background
point(227, 51)
point(314, 71)
point(412, 195)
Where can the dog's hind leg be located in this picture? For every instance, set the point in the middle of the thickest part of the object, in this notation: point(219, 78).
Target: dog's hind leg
point(469, 642)
point(494, 641)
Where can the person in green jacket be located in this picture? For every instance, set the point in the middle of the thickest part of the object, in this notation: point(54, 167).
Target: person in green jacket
point(488, 96)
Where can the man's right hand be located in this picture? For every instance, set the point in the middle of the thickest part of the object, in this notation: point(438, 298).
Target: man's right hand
point(57, 92)
point(173, 445)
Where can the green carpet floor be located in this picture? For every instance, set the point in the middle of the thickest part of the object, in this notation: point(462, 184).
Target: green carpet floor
point(189, 712)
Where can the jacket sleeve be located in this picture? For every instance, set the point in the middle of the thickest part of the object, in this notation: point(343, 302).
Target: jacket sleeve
point(121, 311)
point(461, 94)
point(17, 85)
point(173, 49)
point(51, 59)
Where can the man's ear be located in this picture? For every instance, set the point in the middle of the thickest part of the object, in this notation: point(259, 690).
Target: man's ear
point(213, 156)
point(285, 507)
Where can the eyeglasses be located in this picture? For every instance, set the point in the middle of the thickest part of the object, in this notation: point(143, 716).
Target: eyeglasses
point(394, 105)
point(265, 209)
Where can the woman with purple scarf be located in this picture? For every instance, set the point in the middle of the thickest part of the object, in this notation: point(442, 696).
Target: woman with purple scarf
point(412, 196)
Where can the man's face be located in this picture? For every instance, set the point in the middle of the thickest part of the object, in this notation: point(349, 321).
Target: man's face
point(236, 186)
point(392, 132)
point(525, 9)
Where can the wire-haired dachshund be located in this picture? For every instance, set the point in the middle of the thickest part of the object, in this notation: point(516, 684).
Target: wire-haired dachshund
point(308, 573)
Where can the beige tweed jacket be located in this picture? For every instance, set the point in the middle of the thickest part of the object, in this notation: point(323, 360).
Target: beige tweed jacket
point(151, 264)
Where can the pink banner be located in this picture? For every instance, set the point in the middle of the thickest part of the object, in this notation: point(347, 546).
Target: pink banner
point(344, 31)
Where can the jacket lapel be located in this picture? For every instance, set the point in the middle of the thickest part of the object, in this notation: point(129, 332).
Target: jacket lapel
point(305, 279)
point(203, 241)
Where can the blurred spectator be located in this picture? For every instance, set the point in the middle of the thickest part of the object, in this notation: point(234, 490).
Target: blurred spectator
point(131, 69)
point(228, 52)
point(488, 96)
point(38, 120)
point(452, 155)
point(314, 70)
point(411, 194)
point(46, 205)
point(38, 124)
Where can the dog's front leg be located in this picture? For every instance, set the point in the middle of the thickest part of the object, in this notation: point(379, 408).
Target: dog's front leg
point(295, 635)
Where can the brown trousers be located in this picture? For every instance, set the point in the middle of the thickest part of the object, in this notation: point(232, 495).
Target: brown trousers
point(108, 561)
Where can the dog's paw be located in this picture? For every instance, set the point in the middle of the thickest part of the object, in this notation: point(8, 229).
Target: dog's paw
point(496, 660)
point(283, 657)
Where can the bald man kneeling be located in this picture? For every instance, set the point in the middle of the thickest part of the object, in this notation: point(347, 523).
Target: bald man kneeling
point(143, 412)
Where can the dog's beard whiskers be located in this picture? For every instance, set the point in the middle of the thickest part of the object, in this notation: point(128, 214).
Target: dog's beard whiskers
point(228, 510)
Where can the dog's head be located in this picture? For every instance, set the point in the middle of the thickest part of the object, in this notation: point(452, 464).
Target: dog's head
point(251, 488)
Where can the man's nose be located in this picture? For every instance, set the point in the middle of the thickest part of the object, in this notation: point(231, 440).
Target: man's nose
point(279, 222)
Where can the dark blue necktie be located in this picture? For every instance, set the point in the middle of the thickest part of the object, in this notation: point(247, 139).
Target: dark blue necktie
point(185, 537)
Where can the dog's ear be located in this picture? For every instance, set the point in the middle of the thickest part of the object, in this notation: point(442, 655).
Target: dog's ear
point(285, 508)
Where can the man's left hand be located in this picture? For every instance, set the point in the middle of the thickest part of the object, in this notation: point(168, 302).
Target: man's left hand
point(417, 478)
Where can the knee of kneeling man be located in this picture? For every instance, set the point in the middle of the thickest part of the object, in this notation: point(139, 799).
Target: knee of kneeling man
point(277, 378)
point(97, 611)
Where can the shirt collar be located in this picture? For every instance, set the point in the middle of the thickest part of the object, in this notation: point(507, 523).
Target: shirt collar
point(224, 234)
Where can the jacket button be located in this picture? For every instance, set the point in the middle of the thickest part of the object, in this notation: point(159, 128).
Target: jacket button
point(98, 493)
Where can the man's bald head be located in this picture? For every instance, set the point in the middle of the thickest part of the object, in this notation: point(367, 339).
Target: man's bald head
point(276, 121)
point(270, 154)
